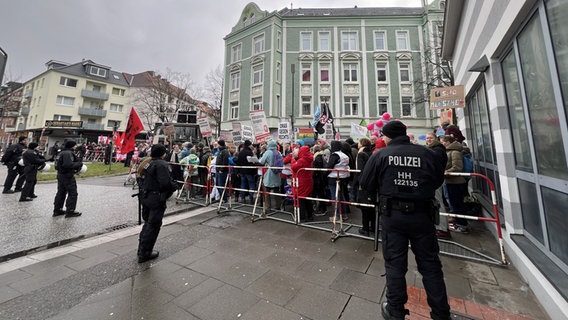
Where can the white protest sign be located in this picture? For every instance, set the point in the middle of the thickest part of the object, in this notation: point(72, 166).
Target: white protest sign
point(247, 133)
point(204, 126)
point(259, 125)
point(284, 132)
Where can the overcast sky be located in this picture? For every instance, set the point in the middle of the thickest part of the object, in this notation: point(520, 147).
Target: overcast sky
point(132, 35)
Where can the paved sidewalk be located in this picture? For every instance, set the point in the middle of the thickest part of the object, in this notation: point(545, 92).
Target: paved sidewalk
point(225, 267)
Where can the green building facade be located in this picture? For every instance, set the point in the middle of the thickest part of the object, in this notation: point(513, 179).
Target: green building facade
point(362, 61)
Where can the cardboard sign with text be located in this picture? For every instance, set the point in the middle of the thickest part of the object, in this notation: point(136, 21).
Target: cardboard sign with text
point(284, 132)
point(259, 125)
point(447, 97)
point(204, 126)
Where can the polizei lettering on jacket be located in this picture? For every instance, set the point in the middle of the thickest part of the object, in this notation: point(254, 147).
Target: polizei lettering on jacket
point(404, 161)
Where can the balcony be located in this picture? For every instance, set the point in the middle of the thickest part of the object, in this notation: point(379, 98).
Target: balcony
point(93, 112)
point(97, 95)
point(93, 126)
point(25, 111)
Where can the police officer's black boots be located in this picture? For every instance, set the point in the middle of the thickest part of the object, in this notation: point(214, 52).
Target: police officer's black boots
point(148, 256)
point(387, 314)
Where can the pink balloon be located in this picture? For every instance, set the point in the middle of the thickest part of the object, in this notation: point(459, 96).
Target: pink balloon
point(375, 133)
point(370, 126)
point(386, 116)
point(377, 122)
point(380, 123)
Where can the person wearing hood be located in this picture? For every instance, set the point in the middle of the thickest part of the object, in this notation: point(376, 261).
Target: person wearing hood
point(32, 161)
point(455, 186)
point(339, 176)
point(406, 177)
point(67, 165)
point(272, 179)
point(305, 181)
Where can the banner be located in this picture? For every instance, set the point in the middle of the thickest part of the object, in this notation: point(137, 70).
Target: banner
point(357, 131)
point(259, 125)
point(329, 132)
point(447, 97)
point(204, 126)
point(226, 135)
point(237, 135)
point(247, 133)
point(133, 128)
point(284, 132)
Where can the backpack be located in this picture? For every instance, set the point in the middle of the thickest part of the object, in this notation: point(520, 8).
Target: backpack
point(467, 162)
point(277, 161)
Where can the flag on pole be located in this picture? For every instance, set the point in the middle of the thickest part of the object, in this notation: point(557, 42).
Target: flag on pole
point(117, 137)
point(133, 128)
point(363, 123)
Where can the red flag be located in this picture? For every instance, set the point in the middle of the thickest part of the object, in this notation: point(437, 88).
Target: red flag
point(133, 128)
point(117, 137)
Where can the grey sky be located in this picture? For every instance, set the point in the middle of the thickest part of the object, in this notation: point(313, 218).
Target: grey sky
point(131, 35)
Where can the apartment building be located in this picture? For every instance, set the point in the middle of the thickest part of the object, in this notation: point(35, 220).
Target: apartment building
point(362, 61)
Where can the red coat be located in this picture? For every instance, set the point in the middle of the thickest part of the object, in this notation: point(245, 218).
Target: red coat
point(305, 180)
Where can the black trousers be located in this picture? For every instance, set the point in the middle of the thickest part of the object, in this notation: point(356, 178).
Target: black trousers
point(417, 228)
point(29, 188)
point(14, 170)
point(368, 218)
point(66, 188)
point(306, 209)
point(153, 213)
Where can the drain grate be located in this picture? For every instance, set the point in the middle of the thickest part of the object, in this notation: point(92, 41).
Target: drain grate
point(120, 226)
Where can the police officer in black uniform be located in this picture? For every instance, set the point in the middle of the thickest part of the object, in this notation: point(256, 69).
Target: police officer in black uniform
point(13, 156)
point(156, 188)
point(32, 162)
point(67, 165)
point(406, 176)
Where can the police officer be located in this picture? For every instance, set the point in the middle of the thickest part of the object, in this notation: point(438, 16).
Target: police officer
point(13, 155)
point(406, 176)
point(157, 187)
point(67, 165)
point(32, 161)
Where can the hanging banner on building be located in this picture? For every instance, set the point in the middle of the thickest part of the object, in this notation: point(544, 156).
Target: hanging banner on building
point(259, 125)
point(284, 132)
point(447, 97)
point(247, 133)
point(204, 126)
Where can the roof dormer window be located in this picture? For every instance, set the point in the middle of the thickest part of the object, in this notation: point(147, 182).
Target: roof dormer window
point(99, 72)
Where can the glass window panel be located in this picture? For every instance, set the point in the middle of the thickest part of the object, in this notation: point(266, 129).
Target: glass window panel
point(478, 131)
point(516, 114)
point(485, 126)
point(529, 207)
point(556, 221)
point(549, 149)
point(557, 9)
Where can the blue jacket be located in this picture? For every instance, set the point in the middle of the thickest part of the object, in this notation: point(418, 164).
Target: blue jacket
point(271, 179)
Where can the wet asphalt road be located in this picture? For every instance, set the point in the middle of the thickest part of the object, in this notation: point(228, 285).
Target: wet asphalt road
point(105, 202)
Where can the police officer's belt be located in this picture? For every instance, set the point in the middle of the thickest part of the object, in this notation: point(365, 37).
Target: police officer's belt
point(410, 205)
point(153, 191)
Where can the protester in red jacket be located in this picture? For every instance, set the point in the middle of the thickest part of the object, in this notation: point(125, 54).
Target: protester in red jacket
point(305, 181)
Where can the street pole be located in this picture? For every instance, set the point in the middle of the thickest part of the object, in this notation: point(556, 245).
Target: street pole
point(293, 71)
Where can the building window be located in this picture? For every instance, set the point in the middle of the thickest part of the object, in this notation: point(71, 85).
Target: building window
point(402, 40)
point(278, 40)
point(236, 53)
point(65, 101)
point(350, 72)
point(234, 110)
point(257, 74)
point(278, 71)
point(99, 72)
point(306, 72)
point(113, 124)
point(380, 40)
point(406, 106)
point(383, 105)
point(68, 82)
point(324, 72)
point(258, 44)
point(349, 41)
point(324, 41)
point(404, 69)
point(257, 103)
point(235, 81)
point(118, 92)
point(351, 106)
point(305, 41)
point(381, 72)
point(306, 106)
point(116, 107)
point(60, 117)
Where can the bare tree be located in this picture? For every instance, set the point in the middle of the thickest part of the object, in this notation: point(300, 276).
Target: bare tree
point(159, 98)
point(213, 93)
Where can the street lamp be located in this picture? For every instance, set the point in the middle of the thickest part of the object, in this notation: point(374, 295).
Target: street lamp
point(293, 71)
